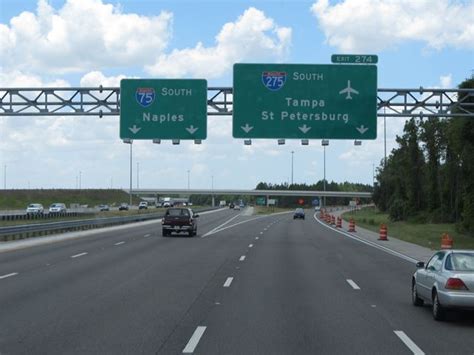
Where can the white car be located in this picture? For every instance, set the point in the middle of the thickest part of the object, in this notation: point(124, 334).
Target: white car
point(317, 209)
point(35, 208)
point(446, 282)
point(143, 205)
point(57, 208)
point(237, 207)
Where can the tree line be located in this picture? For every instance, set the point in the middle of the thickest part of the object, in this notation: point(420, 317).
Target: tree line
point(429, 177)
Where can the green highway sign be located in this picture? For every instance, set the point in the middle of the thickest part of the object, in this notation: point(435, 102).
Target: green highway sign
point(354, 58)
point(163, 109)
point(305, 101)
point(261, 201)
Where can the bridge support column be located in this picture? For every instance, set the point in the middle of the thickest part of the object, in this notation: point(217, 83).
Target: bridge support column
point(268, 197)
point(213, 201)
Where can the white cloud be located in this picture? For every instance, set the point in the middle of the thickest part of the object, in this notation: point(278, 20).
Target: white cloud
point(446, 81)
point(252, 37)
point(373, 25)
point(96, 78)
point(60, 41)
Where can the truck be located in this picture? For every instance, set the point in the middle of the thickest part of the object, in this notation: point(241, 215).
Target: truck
point(222, 203)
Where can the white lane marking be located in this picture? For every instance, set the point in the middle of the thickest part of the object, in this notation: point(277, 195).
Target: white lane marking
point(242, 258)
point(78, 255)
point(256, 238)
point(264, 229)
point(8, 275)
point(250, 245)
point(220, 226)
point(193, 342)
point(372, 244)
point(408, 342)
point(215, 230)
point(353, 284)
point(228, 281)
point(146, 235)
point(119, 243)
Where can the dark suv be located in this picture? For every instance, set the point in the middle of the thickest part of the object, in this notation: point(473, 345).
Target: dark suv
point(179, 220)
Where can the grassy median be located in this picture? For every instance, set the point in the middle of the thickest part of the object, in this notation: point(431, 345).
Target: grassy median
point(424, 234)
point(259, 210)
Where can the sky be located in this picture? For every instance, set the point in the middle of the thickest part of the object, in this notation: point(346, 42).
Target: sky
point(72, 43)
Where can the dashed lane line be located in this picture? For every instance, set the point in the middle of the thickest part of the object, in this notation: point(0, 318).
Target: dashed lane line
point(228, 282)
point(78, 255)
point(242, 258)
point(8, 275)
point(194, 341)
point(119, 243)
point(409, 343)
point(250, 245)
point(353, 284)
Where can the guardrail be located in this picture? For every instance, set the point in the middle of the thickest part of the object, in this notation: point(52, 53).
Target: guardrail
point(37, 229)
point(31, 216)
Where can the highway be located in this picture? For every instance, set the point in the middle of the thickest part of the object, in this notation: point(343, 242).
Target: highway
point(245, 285)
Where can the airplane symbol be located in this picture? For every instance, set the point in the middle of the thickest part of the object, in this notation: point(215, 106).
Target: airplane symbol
point(348, 91)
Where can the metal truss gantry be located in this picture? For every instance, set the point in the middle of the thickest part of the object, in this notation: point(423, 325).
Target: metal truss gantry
point(105, 101)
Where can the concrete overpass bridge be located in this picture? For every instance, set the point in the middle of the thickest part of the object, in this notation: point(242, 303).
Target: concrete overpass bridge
point(243, 192)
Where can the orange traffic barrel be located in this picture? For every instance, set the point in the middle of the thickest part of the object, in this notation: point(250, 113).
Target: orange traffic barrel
point(352, 226)
point(339, 222)
point(446, 241)
point(333, 220)
point(383, 232)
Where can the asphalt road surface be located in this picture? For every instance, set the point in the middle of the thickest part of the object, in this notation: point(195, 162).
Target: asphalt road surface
point(245, 285)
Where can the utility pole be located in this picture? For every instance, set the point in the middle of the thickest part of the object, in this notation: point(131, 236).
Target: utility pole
point(80, 179)
point(212, 189)
point(292, 153)
point(324, 143)
point(188, 179)
point(5, 176)
point(138, 175)
point(384, 139)
point(131, 172)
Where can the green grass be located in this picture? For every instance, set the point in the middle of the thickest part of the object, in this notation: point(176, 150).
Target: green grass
point(268, 210)
point(19, 199)
point(424, 234)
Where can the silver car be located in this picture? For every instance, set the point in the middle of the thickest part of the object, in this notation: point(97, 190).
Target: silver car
point(35, 208)
point(445, 282)
point(57, 208)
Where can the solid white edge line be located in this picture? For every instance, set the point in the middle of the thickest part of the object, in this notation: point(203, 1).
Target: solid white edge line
point(119, 243)
point(353, 284)
point(78, 255)
point(242, 258)
point(194, 341)
point(8, 275)
point(372, 244)
point(408, 342)
point(228, 282)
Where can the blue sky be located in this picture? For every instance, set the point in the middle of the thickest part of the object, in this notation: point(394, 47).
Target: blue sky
point(419, 43)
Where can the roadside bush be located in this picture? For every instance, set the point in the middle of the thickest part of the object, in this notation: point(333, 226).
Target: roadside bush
point(372, 222)
point(397, 210)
